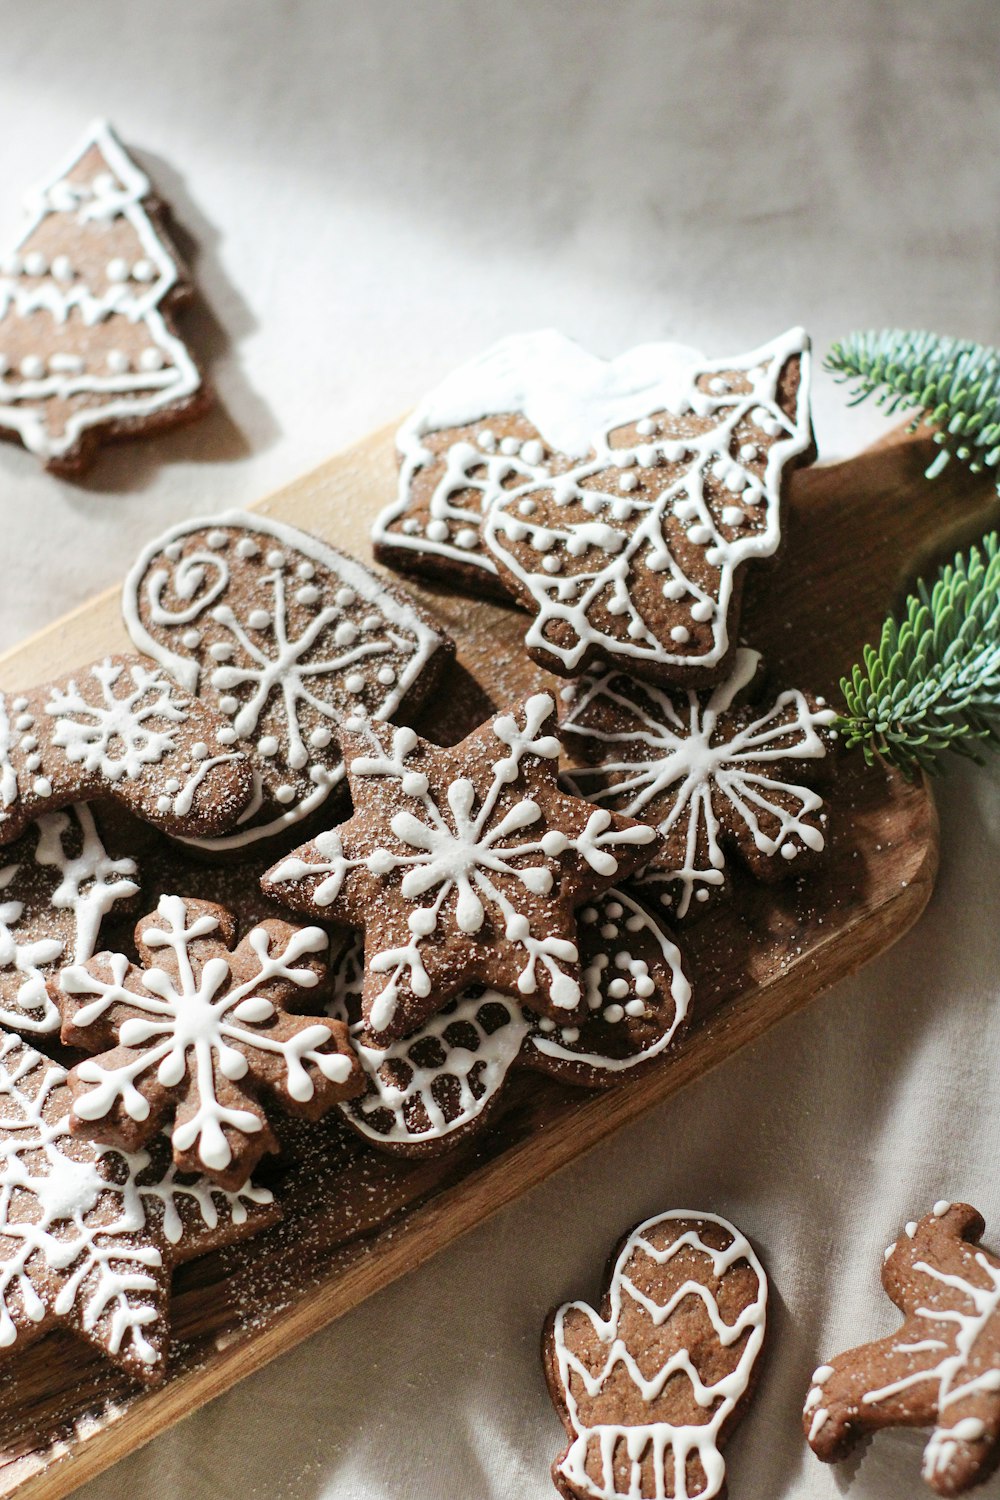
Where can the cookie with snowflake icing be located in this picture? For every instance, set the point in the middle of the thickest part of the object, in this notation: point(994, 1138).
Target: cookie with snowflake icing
point(430, 1091)
point(88, 347)
point(288, 639)
point(940, 1369)
point(620, 501)
point(88, 1235)
point(57, 884)
point(119, 728)
point(708, 770)
point(199, 1034)
point(650, 1386)
point(463, 865)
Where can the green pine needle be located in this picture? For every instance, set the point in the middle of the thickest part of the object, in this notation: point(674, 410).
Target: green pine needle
point(954, 383)
point(933, 682)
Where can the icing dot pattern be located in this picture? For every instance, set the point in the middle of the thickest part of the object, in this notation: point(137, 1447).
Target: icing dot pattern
point(609, 508)
point(430, 1090)
point(87, 342)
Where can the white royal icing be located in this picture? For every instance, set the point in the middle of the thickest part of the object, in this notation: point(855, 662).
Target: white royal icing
point(699, 769)
point(458, 850)
point(99, 1269)
point(29, 288)
point(576, 400)
point(263, 661)
point(502, 1033)
point(718, 1401)
point(86, 885)
point(206, 1014)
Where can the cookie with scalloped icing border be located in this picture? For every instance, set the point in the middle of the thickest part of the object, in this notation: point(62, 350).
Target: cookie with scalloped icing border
point(119, 728)
point(429, 1092)
point(287, 638)
point(940, 1369)
point(650, 1387)
point(200, 1033)
point(710, 770)
point(89, 1235)
point(58, 884)
point(89, 350)
point(464, 865)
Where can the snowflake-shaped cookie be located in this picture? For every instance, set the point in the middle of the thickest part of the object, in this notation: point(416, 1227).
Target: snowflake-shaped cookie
point(619, 500)
point(199, 1033)
point(940, 1369)
point(706, 772)
point(119, 728)
point(430, 1091)
point(650, 1387)
point(287, 638)
point(88, 1235)
point(463, 865)
point(57, 886)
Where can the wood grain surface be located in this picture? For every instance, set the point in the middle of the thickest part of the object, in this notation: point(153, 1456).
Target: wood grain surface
point(355, 1220)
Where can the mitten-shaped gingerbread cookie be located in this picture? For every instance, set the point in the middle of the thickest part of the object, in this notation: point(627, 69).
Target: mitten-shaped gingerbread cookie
point(200, 1033)
point(940, 1369)
point(649, 1388)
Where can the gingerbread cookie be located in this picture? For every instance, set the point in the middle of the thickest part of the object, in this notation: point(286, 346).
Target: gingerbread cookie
point(430, 1091)
point(464, 866)
point(56, 887)
point(650, 1387)
point(619, 501)
point(198, 1033)
point(709, 771)
point(88, 1235)
point(119, 728)
point(288, 639)
point(88, 348)
point(941, 1369)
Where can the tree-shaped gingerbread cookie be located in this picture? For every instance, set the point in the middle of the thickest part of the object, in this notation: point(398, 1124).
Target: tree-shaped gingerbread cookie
point(201, 1033)
point(941, 1369)
point(88, 349)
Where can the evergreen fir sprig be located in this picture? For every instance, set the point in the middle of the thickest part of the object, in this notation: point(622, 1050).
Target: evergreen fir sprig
point(933, 682)
point(955, 384)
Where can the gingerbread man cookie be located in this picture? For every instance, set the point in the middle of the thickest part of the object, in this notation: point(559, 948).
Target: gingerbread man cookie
point(940, 1369)
point(464, 866)
point(620, 501)
point(650, 1387)
point(432, 1090)
point(198, 1033)
point(287, 638)
point(708, 771)
point(57, 884)
point(119, 728)
point(88, 1236)
point(88, 347)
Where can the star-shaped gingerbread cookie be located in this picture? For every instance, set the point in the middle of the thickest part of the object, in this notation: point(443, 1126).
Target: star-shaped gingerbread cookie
point(200, 1033)
point(464, 866)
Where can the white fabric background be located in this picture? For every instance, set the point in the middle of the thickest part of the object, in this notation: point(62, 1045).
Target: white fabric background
point(376, 190)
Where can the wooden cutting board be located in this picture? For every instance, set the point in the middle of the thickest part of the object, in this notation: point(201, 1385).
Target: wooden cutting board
point(356, 1220)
